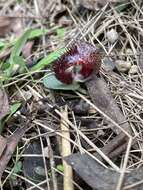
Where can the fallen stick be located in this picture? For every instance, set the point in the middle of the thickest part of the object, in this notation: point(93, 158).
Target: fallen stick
point(66, 151)
point(102, 99)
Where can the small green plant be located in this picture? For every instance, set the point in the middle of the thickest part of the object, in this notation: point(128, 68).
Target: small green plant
point(16, 169)
point(60, 167)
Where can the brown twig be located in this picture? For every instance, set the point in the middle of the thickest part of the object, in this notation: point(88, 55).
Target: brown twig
point(66, 151)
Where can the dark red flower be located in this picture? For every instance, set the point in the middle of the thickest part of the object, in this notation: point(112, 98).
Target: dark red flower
point(78, 63)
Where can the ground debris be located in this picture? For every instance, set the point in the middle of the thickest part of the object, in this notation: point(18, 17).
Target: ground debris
point(5, 25)
point(99, 177)
point(12, 142)
point(4, 104)
point(33, 166)
point(3, 143)
point(96, 4)
point(102, 98)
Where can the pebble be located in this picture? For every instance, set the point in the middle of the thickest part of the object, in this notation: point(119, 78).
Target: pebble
point(81, 108)
point(108, 64)
point(133, 69)
point(39, 170)
point(129, 51)
point(112, 35)
point(123, 66)
point(26, 94)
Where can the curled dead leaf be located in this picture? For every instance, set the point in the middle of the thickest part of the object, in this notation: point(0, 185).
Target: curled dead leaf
point(4, 104)
point(3, 143)
point(5, 25)
point(27, 49)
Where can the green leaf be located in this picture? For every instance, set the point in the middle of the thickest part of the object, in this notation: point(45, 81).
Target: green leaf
point(17, 169)
point(35, 33)
point(17, 62)
point(121, 7)
point(51, 82)
point(14, 108)
point(61, 32)
point(60, 168)
point(2, 44)
point(19, 44)
point(4, 65)
point(17, 66)
point(48, 60)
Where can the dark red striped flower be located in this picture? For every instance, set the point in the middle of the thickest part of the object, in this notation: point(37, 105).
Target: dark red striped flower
point(78, 63)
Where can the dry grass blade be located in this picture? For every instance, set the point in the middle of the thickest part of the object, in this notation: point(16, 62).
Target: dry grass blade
point(52, 163)
point(73, 142)
point(66, 151)
point(134, 185)
point(121, 178)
